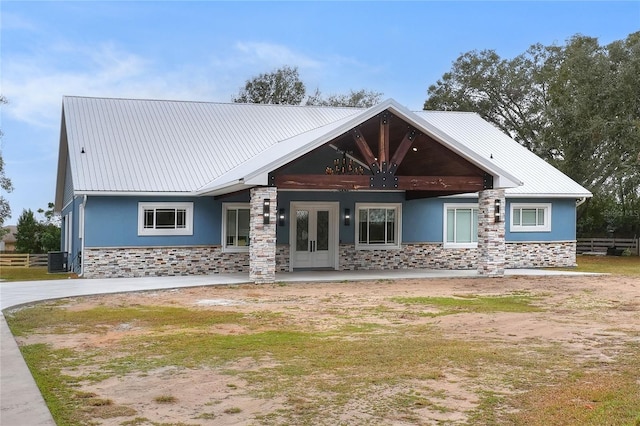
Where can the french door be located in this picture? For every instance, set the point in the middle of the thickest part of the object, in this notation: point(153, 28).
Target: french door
point(313, 237)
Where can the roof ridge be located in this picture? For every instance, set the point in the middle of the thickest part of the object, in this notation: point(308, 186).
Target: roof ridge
point(248, 104)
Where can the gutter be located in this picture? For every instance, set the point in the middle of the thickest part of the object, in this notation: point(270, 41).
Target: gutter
point(83, 204)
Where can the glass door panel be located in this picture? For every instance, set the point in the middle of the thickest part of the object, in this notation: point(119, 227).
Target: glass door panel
point(302, 230)
point(322, 230)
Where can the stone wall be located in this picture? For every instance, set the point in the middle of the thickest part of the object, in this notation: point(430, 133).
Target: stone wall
point(491, 233)
point(411, 256)
point(560, 254)
point(262, 251)
point(161, 261)
point(435, 256)
point(171, 261)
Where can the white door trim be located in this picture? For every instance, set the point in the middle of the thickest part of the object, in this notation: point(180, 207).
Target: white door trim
point(334, 228)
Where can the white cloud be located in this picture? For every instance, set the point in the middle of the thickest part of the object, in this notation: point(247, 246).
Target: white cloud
point(35, 81)
point(275, 55)
point(35, 85)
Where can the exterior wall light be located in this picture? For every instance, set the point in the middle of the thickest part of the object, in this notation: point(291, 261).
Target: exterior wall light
point(281, 216)
point(347, 217)
point(496, 210)
point(266, 208)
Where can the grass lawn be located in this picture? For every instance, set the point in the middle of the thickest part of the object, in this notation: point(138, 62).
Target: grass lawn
point(37, 273)
point(620, 265)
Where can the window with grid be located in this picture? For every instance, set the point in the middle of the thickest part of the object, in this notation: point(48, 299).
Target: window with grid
point(378, 226)
point(165, 218)
point(530, 217)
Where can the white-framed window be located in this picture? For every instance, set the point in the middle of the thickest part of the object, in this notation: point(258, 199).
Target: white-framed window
point(165, 218)
point(235, 226)
point(460, 225)
point(378, 226)
point(530, 217)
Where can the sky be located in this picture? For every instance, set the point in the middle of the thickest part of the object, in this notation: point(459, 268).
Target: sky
point(207, 50)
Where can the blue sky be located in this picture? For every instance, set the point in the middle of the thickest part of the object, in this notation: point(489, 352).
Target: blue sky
point(205, 51)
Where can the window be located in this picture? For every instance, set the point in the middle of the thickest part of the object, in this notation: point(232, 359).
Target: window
point(461, 225)
point(378, 226)
point(165, 218)
point(530, 217)
point(235, 229)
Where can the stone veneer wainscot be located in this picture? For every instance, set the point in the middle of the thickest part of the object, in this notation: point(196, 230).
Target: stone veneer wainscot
point(171, 261)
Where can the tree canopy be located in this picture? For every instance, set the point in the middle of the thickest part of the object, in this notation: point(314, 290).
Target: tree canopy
point(33, 236)
point(577, 106)
point(283, 86)
point(355, 98)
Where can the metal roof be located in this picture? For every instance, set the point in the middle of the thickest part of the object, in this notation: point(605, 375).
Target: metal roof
point(176, 147)
point(539, 177)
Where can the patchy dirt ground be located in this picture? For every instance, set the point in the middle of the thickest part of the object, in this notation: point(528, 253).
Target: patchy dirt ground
point(589, 318)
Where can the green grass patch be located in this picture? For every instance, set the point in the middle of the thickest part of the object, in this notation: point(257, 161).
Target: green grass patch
point(36, 273)
point(474, 304)
point(593, 399)
point(49, 316)
point(616, 265)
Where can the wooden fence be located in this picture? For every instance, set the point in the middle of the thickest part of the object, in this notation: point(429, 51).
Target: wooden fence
point(23, 260)
point(600, 245)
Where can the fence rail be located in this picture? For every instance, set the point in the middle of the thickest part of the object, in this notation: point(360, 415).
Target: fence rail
point(23, 260)
point(600, 245)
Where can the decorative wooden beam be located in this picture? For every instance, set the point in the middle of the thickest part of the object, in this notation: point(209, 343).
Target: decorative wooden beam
point(402, 150)
point(344, 182)
point(365, 150)
point(458, 184)
point(383, 143)
point(448, 184)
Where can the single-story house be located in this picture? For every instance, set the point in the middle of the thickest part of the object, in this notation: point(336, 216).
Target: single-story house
point(156, 187)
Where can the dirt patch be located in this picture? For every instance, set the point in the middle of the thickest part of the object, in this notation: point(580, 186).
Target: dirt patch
point(590, 320)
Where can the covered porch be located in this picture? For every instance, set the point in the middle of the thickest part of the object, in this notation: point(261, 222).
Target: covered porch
point(385, 155)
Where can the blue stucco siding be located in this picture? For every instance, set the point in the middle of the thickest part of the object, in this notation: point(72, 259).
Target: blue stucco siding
point(563, 220)
point(423, 219)
point(113, 222)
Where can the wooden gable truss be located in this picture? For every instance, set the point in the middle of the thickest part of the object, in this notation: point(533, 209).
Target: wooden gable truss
point(384, 153)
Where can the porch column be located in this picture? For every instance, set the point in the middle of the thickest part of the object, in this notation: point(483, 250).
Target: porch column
point(262, 250)
point(491, 244)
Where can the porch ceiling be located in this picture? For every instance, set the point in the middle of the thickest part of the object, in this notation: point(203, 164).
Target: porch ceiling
point(383, 153)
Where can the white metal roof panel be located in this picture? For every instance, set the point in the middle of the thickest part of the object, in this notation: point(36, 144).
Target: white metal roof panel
point(539, 177)
point(172, 146)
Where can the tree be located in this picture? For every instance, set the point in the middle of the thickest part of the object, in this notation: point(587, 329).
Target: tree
point(27, 233)
point(282, 86)
point(5, 185)
point(50, 232)
point(577, 106)
point(357, 99)
point(34, 236)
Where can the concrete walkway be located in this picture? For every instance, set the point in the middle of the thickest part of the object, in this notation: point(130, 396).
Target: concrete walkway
point(20, 400)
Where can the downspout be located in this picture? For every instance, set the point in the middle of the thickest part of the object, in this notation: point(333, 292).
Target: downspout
point(84, 204)
point(580, 201)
